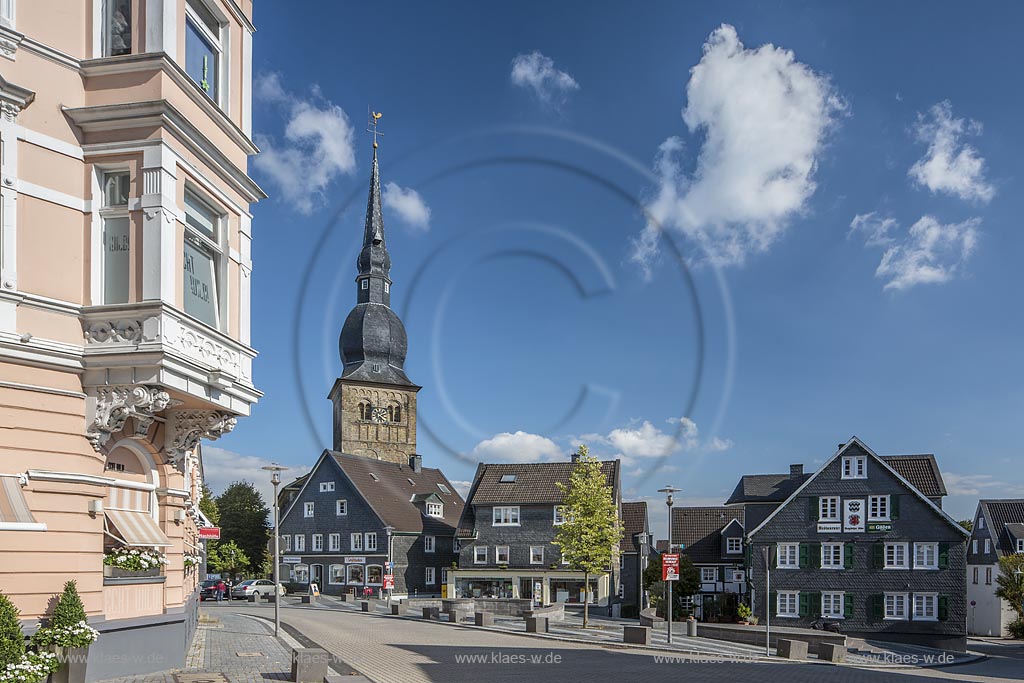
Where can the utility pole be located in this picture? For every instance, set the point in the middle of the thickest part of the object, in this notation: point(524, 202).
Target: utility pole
point(275, 479)
point(668, 491)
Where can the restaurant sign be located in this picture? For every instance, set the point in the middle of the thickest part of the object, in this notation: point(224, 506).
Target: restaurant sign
point(879, 527)
point(355, 560)
point(829, 527)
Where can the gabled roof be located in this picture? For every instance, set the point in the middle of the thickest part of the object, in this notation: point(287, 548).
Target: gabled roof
point(386, 489)
point(1004, 521)
point(920, 470)
point(634, 522)
point(699, 530)
point(765, 488)
point(842, 449)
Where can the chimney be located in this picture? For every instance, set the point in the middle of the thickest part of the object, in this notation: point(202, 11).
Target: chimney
point(575, 456)
point(796, 471)
point(416, 463)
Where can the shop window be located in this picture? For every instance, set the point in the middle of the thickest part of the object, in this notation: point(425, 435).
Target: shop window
point(300, 573)
point(356, 574)
point(374, 575)
point(336, 574)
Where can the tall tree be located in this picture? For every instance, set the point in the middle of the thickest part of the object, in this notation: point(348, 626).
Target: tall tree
point(228, 558)
point(243, 519)
point(687, 585)
point(1010, 586)
point(589, 537)
point(208, 506)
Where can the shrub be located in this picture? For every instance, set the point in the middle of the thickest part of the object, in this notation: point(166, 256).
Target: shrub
point(69, 609)
point(12, 642)
point(68, 625)
point(743, 612)
point(32, 667)
point(1016, 629)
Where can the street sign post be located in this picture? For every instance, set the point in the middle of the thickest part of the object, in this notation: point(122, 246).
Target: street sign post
point(211, 533)
point(389, 582)
point(670, 567)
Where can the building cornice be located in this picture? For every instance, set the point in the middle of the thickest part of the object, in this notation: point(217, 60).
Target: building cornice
point(13, 99)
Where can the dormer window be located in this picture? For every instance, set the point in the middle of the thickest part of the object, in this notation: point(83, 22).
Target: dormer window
point(734, 545)
point(508, 479)
point(435, 510)
point(365, 284)
point(444, 489)
point(855, 467)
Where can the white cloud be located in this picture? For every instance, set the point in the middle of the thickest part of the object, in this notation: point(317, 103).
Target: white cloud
point(931, 252)
point(518, 447)
point(717, 444)
point(462, 487)
point(537, 72)
point(979, 485)
point(950, 165)
point(765, 118)
point(877, 231)
point(222, 467)
point(408, 205)
point(316, 147)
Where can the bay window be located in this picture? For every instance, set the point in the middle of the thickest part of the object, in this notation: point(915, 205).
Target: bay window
point(203, 48)
point(203, 261)
point(116, 254)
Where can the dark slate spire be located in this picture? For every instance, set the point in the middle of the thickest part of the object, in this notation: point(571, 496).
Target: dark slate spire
point(373, 342)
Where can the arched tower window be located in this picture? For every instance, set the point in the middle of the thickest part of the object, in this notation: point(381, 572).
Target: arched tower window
point(362, 411)
point(398, 414)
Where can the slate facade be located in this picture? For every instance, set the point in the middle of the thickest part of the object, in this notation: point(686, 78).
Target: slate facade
point(635, 553)
point(998, 531)
point(922, 602)
point(703, 534)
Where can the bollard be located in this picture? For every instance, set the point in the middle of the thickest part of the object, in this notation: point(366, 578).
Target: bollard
point(309, 664)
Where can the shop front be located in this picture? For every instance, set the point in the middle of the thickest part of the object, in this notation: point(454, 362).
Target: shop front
point(544, 587)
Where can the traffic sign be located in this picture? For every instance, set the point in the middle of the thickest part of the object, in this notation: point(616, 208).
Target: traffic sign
point(209, 532)
point(670, 567)
point(389, 582)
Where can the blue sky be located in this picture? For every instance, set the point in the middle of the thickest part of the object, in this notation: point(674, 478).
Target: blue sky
point(708, 239)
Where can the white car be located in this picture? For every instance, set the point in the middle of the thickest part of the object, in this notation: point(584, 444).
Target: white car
point(257, 587)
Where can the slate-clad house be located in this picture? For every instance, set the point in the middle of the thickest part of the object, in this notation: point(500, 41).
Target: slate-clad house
point(862, 541)
point(998, 531)
point(634, 554)
point(712, 537)
point(337, 531)
point(506, 536)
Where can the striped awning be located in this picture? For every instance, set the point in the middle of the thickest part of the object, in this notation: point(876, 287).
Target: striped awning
point(136, 528)
point(14, 512)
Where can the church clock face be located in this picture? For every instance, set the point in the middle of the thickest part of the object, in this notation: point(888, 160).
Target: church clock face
point(379, 415)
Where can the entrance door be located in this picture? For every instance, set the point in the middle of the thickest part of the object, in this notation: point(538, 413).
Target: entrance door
point(316, 575)
point(525, 588)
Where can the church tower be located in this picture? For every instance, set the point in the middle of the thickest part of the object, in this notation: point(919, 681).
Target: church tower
point(374, 402)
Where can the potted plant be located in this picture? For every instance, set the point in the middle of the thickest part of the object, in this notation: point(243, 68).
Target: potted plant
point(69, 635)
point(16, 664)
point(125, 561)
point(744, 612)
point(752, 620)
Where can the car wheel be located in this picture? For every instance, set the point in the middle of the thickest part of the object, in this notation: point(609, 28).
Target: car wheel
point(257, 594)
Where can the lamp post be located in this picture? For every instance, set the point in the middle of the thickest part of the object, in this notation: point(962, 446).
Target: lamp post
point(275, 479)
point(642, 540)
point(668, 491)
point(390, 567)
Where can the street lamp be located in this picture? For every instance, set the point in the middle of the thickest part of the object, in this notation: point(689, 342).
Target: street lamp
point(642, 540)
point(275, 479)
point(668, 491)
point(390, 567)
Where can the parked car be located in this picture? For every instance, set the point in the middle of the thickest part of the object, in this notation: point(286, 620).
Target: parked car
point(257, 587)
point(208, 591)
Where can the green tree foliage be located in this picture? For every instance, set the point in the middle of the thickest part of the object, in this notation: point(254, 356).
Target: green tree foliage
point(208, 506)
point(69, 610)
point(589, 538)
point(12, 641)
point(687, 585)
point(967, 524)
point(1009, 586)
point(243, 519)
point(227, 559)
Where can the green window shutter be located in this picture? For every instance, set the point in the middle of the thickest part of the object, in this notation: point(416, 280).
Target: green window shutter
point(894, 506)
point(805, 552)
point(815, 604)
point(805, 604)
point(878, 555)
point(848, 605)
point(876, 607)
point(814, 555)
point(943, 556)
point(813, 509)
point(848, 556)
point(943, 607)
point(773, 602)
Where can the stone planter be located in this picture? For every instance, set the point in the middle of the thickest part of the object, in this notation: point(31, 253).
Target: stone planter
point(118, 573)
point(74, 662)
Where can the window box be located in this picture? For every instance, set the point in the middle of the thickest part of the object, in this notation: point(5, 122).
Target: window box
point(118, 573)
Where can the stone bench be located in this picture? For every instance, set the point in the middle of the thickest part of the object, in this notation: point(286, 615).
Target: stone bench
point(308, 599)
point(457, 615)
point(483, 618)
point(649, 617)
point(365, 606)
point(346, 597)
point(309, 665)
point(432, 613)
point(536, 624)
point(830, 652)
point(792, 649)
point(636, 635)
point(398, 609)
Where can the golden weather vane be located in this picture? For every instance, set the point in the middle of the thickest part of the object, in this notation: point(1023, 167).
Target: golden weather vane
point(372, 118)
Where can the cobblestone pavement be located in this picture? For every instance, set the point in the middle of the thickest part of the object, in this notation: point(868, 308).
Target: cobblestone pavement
point(388, 649)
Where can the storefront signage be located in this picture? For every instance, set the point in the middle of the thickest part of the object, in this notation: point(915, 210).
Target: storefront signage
point(670, 567)
point(829, 527)
point(289, 559)
point(355, 560)
point(209, 532)
point(853, 515)
point(879, 527)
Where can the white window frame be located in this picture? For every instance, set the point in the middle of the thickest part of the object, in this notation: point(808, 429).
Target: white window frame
point(828, 553)
point(340, 508)
point(349, 568)
point(898, 600)
point(326, 486)
point(988, 545)
point(317, 544)
point(832, 599)
point(8, 13)
point(221, 47)
point(558, 515)
point(355, 542)
point(370, 542)
point(792, 603)
point(300, 543)
point(920, 608)
point(113, 212)
point(731, 542)
point(854, 467)
point(1020, 545)
point(828, 509)
point(308, 509)
point(505, 515)
point(934, 548)
point(435, 510)
point(217, 245)
point(974, 547)
point(101, 12)
point(334, 543)
point(430, 576)
point(364, 284)
point(879, 508)
point(429, 544)
point(897, 549)
point(787, 556)
point(981, 523)
point(286, 542)
point(330, 574)
point(480, 554)
point(366, 575)
point(533, 551)
point(708, 574)
point(500, 550)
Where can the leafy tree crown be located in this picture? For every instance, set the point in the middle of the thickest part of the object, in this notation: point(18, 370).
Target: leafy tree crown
point(590, 535)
